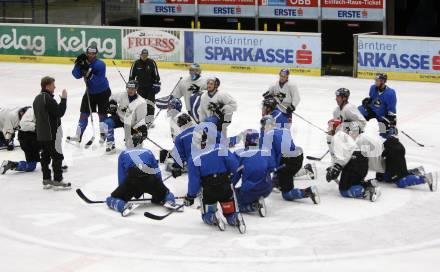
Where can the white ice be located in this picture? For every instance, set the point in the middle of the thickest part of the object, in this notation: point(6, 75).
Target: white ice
point(56, 231)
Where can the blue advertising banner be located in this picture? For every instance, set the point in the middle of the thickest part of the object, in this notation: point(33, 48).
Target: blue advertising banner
point(414, 58)
point(295, 9)
point(290, 50)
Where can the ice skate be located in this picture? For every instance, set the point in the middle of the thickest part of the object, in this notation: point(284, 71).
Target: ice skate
point(60, 185)
point(431, 180)
point(8, 165)
point(110, 148)
point(128, 209)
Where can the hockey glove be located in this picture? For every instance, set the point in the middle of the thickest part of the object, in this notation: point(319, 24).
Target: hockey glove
point(333, 172)
point(113, 107)
point(366, 102)
point(10, 144)
point(137, 139)
point(267, 95)
point(216, 108)
point(156, 87)
point(176, 172)
point(390, 120)
point(290, 109)
point(163, 155)
point(188, 201)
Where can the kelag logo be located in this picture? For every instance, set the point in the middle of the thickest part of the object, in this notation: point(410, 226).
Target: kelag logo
point(227, 10)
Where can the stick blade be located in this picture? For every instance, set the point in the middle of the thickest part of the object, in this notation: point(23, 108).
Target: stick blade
point(90, 142)
point(155, 217)
point(313, 158)
point(83, 197)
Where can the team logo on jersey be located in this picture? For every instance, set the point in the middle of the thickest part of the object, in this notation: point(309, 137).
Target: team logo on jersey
point(194, 88)
point(377, 103)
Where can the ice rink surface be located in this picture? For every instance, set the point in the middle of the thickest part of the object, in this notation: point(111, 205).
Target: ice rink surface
point(56, 231)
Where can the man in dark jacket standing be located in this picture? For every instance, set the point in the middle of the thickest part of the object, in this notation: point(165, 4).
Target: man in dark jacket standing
point(144, 71)
point(48, 115)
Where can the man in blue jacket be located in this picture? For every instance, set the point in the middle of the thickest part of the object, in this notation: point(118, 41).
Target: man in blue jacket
point(381, 104)
point(90, 68)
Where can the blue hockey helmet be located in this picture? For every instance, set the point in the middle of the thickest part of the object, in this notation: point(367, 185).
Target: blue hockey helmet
point(284, 72)
point(251, 137)
point(175, 104)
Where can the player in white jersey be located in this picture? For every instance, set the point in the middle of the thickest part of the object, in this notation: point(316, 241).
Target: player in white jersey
point(128, 110)
point(9, 123)
point(194, 84)
point(286, 94)
point(216, 104)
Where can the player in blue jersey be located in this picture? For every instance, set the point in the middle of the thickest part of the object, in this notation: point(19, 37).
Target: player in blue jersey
point(269, 107)
point(381, 104)
point(253, 181)
point(138, 173)
point(288, 159)
point(92, 70)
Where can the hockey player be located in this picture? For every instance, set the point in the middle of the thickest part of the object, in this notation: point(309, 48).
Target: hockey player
point(138, 173)
point(193, 85)
point(173, 110)
point(288, 159)
point(269, 107)
point(9, 123)
point(218, 104)
point(352, 164)
point(256, 166)
point(28, 143)
point(396, 170)
point(381, 104)
point(286, 94)
point(129, 111)
point(210, 172)
point(90, 68)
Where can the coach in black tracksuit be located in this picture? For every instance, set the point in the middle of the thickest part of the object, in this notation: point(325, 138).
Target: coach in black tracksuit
point(48, 115)
point(144, 71)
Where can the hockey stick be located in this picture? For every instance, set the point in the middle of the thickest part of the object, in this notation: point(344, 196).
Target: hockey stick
point(119, 72)
point(297, 115)
point(316, 158)
point(160, 217)
point(409, 137)
point(88, 201)
point(156, 144)
point(90, 142)
point(172, 91)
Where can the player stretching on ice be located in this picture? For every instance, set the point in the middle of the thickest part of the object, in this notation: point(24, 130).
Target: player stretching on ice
point(127, 110)
point(210, 171)
point(255, 168)
point(285, 93)
point(288, 159)
point(28, 143)
point(9, 123)
point(138, 173)
point(381, 104)
point(349, 161)
point(90, 68)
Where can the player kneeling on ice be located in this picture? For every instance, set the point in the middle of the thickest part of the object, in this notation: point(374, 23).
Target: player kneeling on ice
point(210, 171)
point(138, 173)
point(349, 161)
point(129, 111)
point(9, 123)
point(396, 170)
point(288, 160)
point(255, 166)
point(269, 107)
point(28, 143)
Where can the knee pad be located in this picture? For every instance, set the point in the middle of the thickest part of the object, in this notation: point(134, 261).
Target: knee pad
point(30, 166)
point(355, 191)
point(293, 194)
point(21, 166)
point(228, 206)
point(410, 181)
point(115, 203)
point(208, 215)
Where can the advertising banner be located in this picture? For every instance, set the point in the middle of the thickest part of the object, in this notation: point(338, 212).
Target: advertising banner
point(287, 50)
point(294, 9)
point(162, 44)
point(227, 8)
point(410, 58)
point(168, 7)
point(353, 10)
point(58, 41)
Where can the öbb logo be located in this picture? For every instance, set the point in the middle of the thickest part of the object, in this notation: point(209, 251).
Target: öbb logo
point(304, 56)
